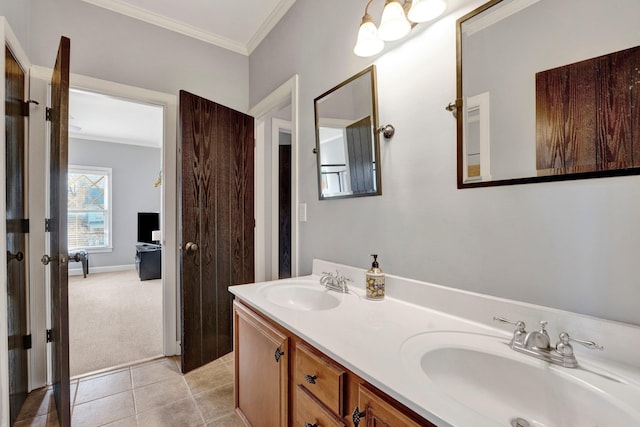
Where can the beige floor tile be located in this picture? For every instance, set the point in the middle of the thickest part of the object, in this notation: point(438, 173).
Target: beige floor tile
point(216, 403)
point(38, 402)
point(103, 411)
point(160, 394)
point(231, 420)
point(154, 372)
point(127, 422)
point(104, 385)
point(182, 413)
point(208, 377)
point(39, 421)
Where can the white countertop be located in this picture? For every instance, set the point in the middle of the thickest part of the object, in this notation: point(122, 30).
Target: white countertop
point(367, 338)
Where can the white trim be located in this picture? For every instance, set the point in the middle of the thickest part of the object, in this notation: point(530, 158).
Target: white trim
point(494, 15)
point(259, 203)
point(481, 104)
point(107, 269)
point(170, 24)
point(286, 94)
point(277, 126)
point(272, 20)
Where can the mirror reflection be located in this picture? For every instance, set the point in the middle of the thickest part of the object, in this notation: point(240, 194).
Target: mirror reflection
point(548, 102)
point(347, 144)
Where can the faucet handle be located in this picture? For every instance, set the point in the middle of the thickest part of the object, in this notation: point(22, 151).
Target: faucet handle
point(520, 325)
point(565, 339)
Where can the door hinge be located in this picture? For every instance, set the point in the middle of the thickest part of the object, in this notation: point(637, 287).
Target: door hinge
point(25, 106)
point(49, 335)
point(26, 342)
point(47, 225)
point(17, 225)
point(48, 114)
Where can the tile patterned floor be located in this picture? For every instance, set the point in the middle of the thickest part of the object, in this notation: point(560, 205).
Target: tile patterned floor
point(149, 394)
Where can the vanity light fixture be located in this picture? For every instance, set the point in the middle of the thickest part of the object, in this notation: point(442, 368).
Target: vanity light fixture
point(398, 17)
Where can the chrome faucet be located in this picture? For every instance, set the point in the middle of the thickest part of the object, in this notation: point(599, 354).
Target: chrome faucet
point(335, 282)
point(537, 344)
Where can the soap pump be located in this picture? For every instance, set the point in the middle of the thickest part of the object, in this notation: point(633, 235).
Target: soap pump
point(375, 280)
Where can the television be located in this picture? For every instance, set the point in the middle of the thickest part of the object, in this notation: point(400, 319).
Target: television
point(147, 223)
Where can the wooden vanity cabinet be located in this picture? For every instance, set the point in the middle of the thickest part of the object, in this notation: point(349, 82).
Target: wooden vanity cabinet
point(306, 388)
point(261, 353)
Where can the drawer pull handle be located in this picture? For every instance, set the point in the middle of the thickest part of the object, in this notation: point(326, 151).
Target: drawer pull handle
point(310, 425)
point(311, 379)
point(278, 354)
point(357, 416)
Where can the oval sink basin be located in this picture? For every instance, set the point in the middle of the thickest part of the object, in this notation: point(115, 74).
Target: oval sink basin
point(303, 296)
point(482, 373)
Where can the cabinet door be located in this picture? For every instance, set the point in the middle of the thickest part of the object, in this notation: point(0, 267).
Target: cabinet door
point(377, 411)
point(261, 370)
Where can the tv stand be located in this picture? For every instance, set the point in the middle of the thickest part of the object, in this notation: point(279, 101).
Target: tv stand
point(149, 261)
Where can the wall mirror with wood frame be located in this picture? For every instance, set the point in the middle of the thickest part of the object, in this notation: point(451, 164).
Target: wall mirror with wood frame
point(347, 143)
point(548, 90)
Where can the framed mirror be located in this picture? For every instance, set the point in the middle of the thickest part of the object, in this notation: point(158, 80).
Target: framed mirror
point(548, 90)
point(347, 141)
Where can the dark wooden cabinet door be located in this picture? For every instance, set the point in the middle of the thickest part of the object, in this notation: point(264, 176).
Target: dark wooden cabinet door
point(58, 252)
point(16, 232)
point(217, 223)
point(284, 212)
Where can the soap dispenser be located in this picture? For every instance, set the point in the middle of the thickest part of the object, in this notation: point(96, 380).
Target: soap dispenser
point(375, 280)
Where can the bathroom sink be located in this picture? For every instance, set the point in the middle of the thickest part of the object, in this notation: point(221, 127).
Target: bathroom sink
point(303, 296)
point(481, 373)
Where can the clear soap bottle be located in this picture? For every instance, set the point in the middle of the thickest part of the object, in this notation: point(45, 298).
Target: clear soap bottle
point(375, 280)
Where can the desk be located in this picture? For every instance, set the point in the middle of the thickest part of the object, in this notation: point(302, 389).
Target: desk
point(149, 261)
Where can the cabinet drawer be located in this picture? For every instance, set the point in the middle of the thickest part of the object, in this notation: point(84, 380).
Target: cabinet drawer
point(310, 412)
point(322, 378)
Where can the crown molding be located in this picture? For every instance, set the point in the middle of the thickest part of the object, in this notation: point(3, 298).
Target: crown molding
point(493, 16)
point(180, 27)
point(272, 20)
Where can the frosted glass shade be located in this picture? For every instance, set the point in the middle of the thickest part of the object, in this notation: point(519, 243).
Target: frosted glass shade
point(368, 42)
point(426, 10)
point(394, 24)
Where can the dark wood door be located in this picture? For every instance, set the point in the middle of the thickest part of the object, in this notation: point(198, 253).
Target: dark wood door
point(217, 223)
point(16, 232)
point(58, 252)
point(360, 149)
point(284, 212)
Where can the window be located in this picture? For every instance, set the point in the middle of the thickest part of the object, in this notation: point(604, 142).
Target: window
point(89, 208)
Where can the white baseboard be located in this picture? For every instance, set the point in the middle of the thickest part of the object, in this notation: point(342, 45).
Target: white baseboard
point(108, 269)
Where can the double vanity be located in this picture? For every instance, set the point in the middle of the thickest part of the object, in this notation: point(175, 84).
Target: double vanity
point(425, 355)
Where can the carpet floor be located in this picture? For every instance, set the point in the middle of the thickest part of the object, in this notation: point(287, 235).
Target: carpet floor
point(114, 319)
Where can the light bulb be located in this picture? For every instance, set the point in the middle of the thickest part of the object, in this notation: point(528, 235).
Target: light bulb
point(368, 42)
point(394, 24)
point(426, 10)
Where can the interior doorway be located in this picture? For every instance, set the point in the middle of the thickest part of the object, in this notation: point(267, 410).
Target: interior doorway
point(114, 215)
point(281, 196)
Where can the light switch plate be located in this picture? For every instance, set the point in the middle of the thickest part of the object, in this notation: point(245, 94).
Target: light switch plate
point(302, 212)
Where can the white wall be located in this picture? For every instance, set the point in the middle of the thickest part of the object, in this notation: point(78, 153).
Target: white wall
point(134, 169)
point(570, 245)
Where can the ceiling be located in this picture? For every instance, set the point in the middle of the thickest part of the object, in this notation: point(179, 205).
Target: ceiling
point(236, 25)
point(99, 117)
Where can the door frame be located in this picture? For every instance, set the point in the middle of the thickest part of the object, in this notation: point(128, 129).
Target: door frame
point(12, 42)
point(277, 126)
point(168, 206)
point(286, 94)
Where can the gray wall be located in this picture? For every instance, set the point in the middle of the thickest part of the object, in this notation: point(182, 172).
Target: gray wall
point(110, 46)
point(17, 14)
point(571, 245)
point(134, 169)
